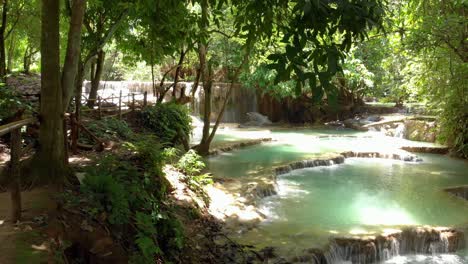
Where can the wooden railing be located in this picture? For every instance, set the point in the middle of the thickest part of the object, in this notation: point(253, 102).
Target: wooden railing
point(102, 104)
point(14, 175)
point(17, 151)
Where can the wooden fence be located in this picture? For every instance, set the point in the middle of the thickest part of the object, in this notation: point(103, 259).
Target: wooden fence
point(106, 105)
point(17, 151)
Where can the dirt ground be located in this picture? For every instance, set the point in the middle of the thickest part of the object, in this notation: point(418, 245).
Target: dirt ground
point(23, 242)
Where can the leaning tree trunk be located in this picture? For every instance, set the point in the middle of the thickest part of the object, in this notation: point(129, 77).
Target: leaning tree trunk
point(206, 73)
point(51, 153)
point(96, 78)
point(177, 73)
point(204, 146)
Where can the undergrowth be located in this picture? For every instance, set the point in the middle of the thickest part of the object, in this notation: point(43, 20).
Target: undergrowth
point(110, 129)
point(192, 165)
point(170, 122)
point(128, 194)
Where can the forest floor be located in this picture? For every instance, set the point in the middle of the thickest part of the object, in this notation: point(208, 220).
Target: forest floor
point(25, 242)
point(29, 241)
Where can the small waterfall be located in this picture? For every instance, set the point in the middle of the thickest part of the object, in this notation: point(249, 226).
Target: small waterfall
point(197, 131)
point(339, 159)
point(371, 249)
point(400, 131)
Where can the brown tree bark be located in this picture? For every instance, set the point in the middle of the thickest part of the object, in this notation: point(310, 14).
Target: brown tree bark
point(96, 74)
point(2, 40)
point(204, 146)
point(49, 162)
point(72, 57)
point(50, 157)
point(207, 78)
point(177, 73)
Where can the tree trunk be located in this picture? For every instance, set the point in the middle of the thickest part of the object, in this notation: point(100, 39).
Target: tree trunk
point(72, 57)
point(78, 93)
point(2, 41)
point(26, 61)
point(204, 146)
point(96, 78)
point(177, 73)
point(50, 156)
point(11, 50)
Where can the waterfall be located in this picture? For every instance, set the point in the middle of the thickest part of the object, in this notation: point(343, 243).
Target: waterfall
point(374, 249)
point(242, 101)
point(340, 158)
point(400, 131)
point(197, 131)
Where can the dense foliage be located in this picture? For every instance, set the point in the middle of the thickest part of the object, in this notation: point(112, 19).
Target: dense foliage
point(110, 129)
point(170, 122)
point(10, 103)
point(129, 195)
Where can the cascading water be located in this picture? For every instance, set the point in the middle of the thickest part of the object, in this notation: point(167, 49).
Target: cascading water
point(385, 247)
point(241, 102)
point(400, 131)
point(358, 197)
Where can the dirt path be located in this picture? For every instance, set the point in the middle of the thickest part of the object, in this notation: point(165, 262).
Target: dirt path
point(23, 243)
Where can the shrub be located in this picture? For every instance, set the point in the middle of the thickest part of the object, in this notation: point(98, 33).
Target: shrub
point(133, 200)
point(104, 189)
point(10, 103)
point(192, 165)
point(167, 121)
point(110, 129)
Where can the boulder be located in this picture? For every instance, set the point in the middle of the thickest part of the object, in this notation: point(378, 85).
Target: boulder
point(257, 119)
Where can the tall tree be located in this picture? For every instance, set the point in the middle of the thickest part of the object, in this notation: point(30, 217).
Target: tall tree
point(315, 35)
point(50, 161)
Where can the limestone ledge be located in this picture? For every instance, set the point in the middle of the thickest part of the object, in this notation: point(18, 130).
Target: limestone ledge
point(375, 248)
point(237, 145)
point(458, 191)
point(340, 158)
point(433, 150)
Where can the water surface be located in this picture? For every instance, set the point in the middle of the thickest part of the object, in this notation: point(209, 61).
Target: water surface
point(359, 196)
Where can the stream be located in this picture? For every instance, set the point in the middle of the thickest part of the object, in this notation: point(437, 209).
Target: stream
point(362, 196)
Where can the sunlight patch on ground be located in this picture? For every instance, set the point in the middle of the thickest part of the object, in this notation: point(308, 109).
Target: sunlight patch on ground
point(226, 205)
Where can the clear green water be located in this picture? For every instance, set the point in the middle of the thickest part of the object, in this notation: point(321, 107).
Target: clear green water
point(360, 196)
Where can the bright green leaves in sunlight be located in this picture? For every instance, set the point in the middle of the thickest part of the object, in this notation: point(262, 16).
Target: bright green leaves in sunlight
point(315, 38)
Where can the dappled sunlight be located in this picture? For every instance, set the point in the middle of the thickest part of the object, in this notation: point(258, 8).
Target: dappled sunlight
point(363, 198)
point(225, 205)
point(41, 247)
